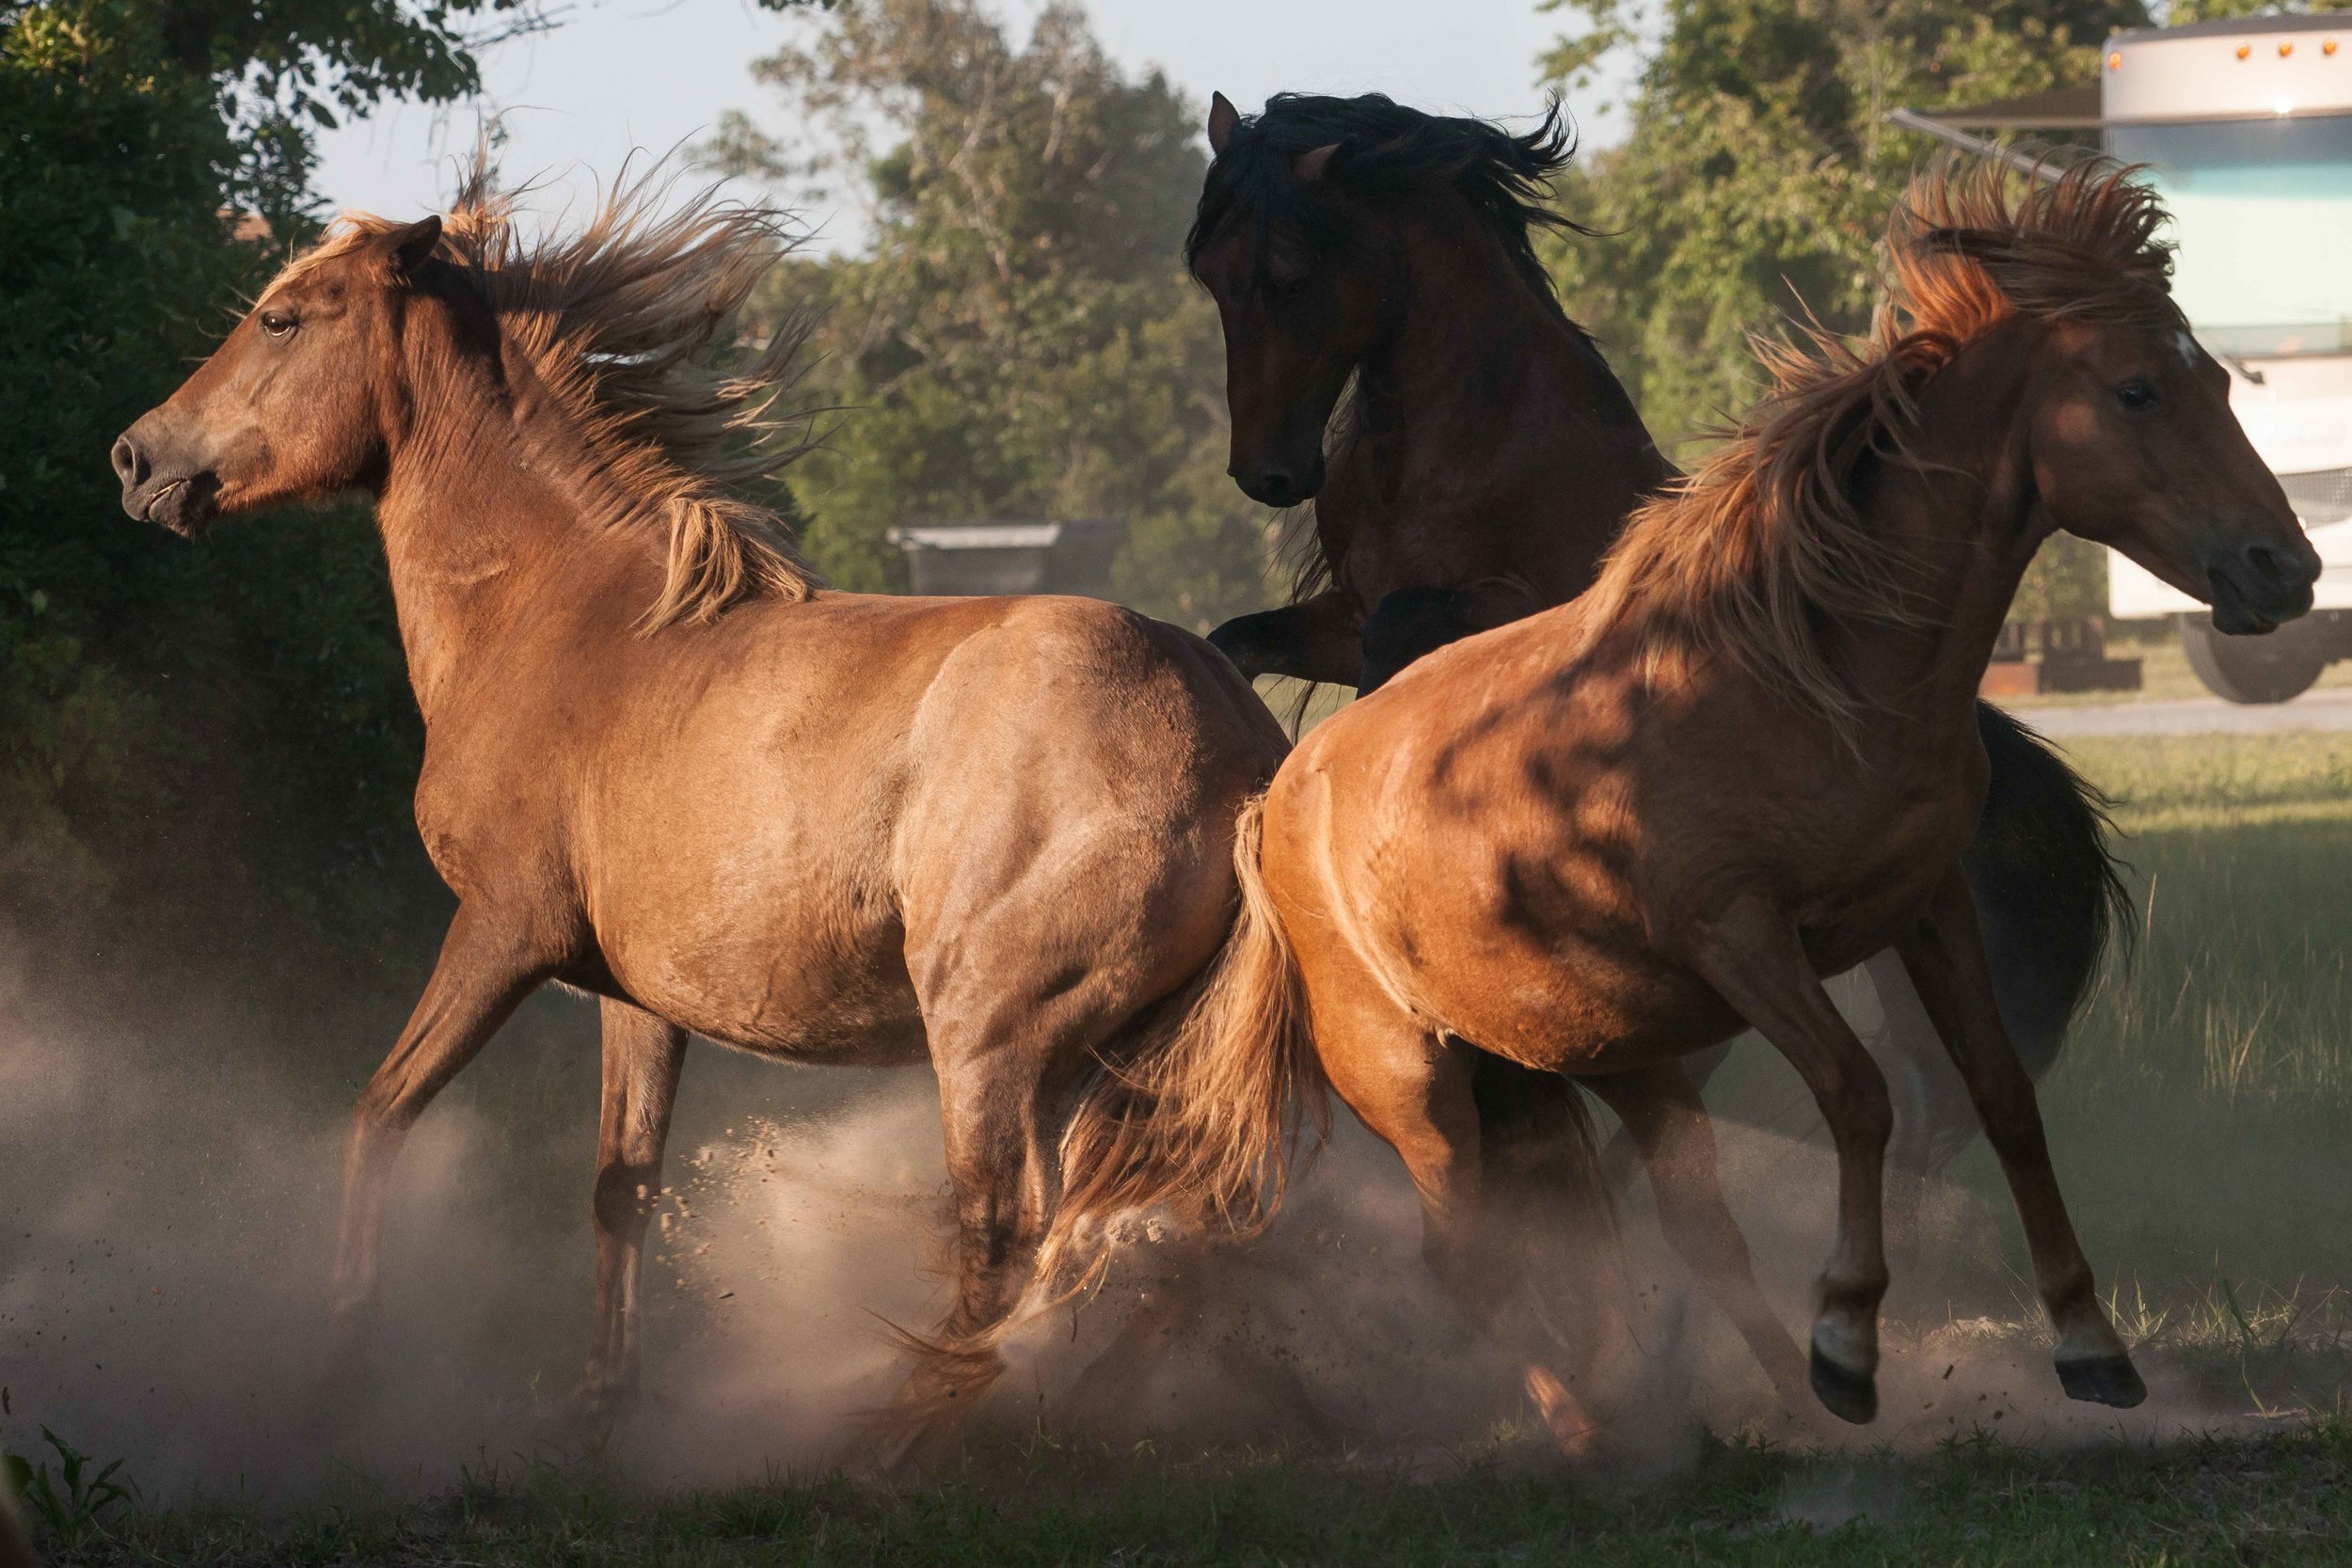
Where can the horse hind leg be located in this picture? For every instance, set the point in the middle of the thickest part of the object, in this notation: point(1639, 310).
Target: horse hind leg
point(1000, 1113)
point(1668, 1124)
point(644, 1056)
point(1421, 1096)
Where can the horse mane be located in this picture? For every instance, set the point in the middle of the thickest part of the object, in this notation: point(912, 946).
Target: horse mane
point(1757, 553)
point(1388, 153)
point(630, 323)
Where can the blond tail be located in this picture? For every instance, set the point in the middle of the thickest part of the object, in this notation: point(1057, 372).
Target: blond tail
point(1204, 1117)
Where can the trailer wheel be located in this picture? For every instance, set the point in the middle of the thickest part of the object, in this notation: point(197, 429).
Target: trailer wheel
point(2270, 669)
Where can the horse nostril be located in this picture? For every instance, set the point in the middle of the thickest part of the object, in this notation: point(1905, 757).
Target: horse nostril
point(2268, 564)
point(130, 463)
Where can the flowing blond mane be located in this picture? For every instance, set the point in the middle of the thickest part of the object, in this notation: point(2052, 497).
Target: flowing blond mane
point(630, 323)
point(1755, 553)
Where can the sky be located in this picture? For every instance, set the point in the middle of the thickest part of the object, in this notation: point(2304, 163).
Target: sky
point(625, 75)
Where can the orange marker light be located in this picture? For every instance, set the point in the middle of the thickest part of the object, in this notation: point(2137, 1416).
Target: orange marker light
point(2115, 61)
point(2327, 48)
point(2244, 49)
point(2285, 50)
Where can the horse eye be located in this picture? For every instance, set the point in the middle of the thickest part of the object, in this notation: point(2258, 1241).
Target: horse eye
point(2136, 393)
point(277, 325)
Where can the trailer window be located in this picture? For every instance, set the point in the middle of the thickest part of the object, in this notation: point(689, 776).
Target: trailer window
point(2262, 216)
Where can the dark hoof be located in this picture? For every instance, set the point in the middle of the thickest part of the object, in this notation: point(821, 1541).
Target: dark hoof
point(2103, 1380)
point(600, 1402)
point(1849, 1396)
point(344, 1393)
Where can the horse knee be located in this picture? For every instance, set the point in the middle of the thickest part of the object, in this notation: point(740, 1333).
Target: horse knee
point(625, 1195)
point(1862, 1111)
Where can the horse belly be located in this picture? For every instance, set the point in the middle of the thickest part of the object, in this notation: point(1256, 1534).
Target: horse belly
point(782, 970)
point(1589, 1012)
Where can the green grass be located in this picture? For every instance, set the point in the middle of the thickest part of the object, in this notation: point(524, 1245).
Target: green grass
point(2242, 851)
point(2202, 1123)
point(2282, 1499)
point(2201, 1115)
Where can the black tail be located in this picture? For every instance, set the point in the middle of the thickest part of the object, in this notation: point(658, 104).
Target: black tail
point(1539, 1150)
point(2048, 892)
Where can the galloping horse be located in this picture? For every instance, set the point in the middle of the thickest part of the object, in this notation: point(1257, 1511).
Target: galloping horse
point(1610, 835)
point(663, 767)
point(1377, 262)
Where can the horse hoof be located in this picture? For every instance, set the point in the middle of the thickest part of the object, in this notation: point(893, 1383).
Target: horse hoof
point(2103, 1380)
point(598, 1402)
point(1564, 1416)
point(1849, 1396)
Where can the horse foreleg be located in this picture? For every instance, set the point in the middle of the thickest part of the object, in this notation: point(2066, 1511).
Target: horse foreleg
point(1665, 1117)
point(1933, 1119)
point(1618, 1156)
point(1314, 639)
point(1753, 957)
point(643, 1059)
point(1409, 623)
point(1946, 959)
point(485, 969)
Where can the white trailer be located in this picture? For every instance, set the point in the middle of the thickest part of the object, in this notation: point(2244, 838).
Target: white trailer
point(2246, 127)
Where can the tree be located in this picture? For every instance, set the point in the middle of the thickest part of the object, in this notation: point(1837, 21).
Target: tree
point(222, 729)
point(1019, 337)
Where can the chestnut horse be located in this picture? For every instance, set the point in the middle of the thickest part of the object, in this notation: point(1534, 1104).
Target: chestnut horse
point(1602, 837)
point(663, 767)
point(1377, 262)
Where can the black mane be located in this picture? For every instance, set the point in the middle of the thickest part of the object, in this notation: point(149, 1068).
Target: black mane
point(1387, 152)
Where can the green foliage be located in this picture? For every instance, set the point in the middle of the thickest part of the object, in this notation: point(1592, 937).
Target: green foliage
point(74, 1500)
point(1758, 173)
point(211, 732)
point(1020, 339)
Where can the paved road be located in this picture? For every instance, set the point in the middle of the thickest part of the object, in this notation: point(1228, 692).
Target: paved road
point(2326, 710)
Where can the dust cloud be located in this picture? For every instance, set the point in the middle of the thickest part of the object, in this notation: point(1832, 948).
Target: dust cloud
point(171, 1167)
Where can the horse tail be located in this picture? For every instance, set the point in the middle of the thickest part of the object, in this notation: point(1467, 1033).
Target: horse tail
point(2049, 893)
point(1203, 1114)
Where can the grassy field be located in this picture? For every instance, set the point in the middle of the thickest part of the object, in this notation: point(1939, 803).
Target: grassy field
point(2202, 1122)
point(2282, 1499)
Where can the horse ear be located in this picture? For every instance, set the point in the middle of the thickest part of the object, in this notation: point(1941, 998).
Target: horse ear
point(1223, 118)
point(410, 246)
point(1308, 167)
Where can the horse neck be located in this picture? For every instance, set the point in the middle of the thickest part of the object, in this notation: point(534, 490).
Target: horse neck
point(486, 517)
point(1481, 370)
point(1966, 520)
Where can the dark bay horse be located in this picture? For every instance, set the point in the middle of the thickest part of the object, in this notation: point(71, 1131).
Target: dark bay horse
point(1610, 835)
point(665, 767)
point(1378, 284)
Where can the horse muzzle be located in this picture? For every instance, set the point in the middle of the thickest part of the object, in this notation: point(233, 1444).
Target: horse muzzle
point(182, 498)
point(1278, 484)
point(2256, 588)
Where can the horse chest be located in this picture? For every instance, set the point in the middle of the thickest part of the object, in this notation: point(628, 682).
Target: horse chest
point(489, 822)
point(1870, 875)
